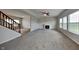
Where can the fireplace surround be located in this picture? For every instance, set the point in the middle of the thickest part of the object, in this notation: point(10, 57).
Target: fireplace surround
point(47, 27)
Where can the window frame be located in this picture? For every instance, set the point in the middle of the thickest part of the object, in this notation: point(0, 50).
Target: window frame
point(61, 24)
point(66, 23)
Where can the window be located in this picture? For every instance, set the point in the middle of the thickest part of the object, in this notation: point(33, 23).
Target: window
point(17, 21)
point(70, 22)
point(73, 23)
point(9, 21)
point(65, 22)
point(61, 23)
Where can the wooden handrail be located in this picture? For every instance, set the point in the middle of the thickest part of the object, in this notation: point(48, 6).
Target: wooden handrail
point(11, 25)
point(8, 16)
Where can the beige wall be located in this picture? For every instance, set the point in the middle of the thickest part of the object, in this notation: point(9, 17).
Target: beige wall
point(38, 23)
point(48, 21)
point(35, 25)
point(26, 22)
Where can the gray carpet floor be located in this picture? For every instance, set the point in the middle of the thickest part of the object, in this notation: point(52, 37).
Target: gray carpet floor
point(41, 40)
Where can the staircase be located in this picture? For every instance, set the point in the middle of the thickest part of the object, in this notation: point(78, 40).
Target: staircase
point(9, 23)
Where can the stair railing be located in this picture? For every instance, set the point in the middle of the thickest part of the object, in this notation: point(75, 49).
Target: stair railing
point(8, 22)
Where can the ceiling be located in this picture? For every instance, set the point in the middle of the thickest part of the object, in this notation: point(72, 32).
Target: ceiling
point(37, 12)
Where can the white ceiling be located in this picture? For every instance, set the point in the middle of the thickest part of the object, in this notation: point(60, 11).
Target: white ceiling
point(37, 12)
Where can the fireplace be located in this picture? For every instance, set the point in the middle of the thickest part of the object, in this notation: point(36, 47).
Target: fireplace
point(47, 26)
